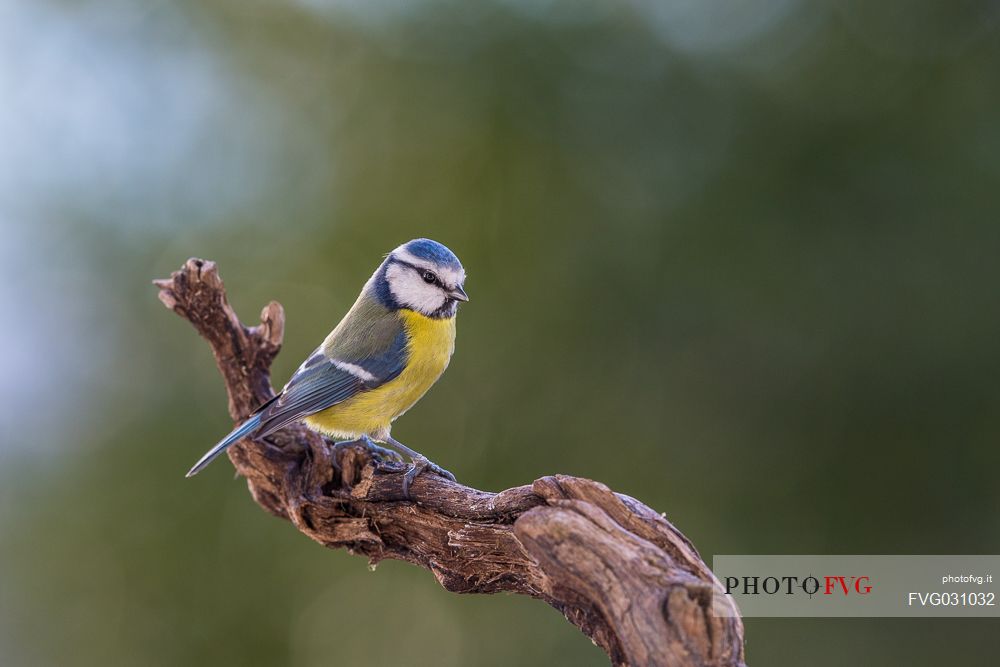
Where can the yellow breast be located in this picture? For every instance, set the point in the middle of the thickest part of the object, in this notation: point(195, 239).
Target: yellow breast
point(431, 343)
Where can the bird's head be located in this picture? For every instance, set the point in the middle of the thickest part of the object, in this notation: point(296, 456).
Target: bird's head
point(424, 276)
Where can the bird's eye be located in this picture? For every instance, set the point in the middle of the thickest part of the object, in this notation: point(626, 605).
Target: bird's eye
point(429, 277)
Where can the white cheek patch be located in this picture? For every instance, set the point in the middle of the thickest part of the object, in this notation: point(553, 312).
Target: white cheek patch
point(449, 276)
point(411, 291)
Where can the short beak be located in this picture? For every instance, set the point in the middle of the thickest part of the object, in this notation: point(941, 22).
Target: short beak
point(458, 294)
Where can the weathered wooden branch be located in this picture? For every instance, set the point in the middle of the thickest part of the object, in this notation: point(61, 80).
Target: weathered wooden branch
point(615, 568)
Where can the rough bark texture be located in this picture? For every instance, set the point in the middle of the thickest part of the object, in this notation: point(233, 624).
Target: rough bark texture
point(615, 568)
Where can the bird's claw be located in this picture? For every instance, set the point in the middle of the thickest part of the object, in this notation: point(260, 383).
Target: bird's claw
point(419, 465)
point(385, 453)
point(377, 450)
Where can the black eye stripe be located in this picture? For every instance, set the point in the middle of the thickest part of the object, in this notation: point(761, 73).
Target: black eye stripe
point(422, 272)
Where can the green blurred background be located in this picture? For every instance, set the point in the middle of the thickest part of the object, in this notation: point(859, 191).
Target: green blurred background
point(736, 259)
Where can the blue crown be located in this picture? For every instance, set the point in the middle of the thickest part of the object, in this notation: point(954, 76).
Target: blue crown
point(433, 251)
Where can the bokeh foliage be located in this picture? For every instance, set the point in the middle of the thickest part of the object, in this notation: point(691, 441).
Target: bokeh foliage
point(738, 260)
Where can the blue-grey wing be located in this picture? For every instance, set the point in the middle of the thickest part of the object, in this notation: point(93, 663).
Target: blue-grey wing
point(324, 381)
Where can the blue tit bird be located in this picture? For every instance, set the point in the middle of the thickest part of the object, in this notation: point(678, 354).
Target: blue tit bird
point(393, 344)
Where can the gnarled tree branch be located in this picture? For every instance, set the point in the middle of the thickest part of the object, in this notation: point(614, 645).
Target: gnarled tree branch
point(615, 568)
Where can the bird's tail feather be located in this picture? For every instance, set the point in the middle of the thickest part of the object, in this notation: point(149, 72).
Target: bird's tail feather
point(244, 429)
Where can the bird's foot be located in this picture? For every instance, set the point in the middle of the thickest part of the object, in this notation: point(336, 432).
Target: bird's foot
point(379, 451)
point(420, 464)
point(384, 453)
